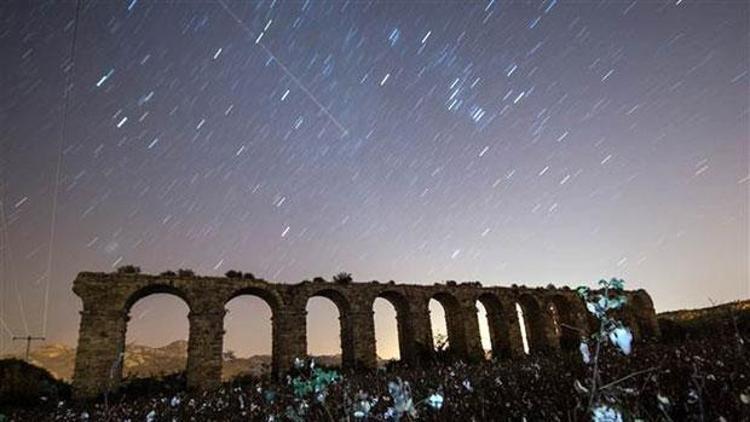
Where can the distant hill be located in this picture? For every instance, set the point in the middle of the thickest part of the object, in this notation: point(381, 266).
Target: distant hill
point(145, 361)
point(739, 306)
point(731, 319)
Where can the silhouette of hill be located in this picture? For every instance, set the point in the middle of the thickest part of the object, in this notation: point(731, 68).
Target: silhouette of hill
point(145, 361)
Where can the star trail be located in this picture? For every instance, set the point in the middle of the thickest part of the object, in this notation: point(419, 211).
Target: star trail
point(506, 142)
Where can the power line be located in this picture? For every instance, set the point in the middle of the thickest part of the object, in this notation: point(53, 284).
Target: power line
point(292, 76)
point(8, 260)
point(7, 329)
point(56, 188)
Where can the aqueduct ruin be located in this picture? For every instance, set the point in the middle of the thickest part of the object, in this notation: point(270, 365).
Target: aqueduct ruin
point(548, 314)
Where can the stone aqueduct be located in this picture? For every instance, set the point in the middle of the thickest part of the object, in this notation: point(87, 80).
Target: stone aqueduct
point(107, 299)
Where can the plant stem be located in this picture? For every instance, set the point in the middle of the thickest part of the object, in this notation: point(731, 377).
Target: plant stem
point(613, 383)
point(595, 374)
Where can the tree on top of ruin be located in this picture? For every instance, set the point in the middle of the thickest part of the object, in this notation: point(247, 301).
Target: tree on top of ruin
point(343, 278)
point(233, 274)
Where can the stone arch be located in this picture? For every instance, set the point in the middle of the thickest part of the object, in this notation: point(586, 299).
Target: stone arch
point(565, 323)
point(498, 325)
point(457, 342)
point(346, 333)
point(152, 289)
point(119, 337)
point(160, 321)
point(272, 301)
point(272, 298)
point(536, 323)
point(403, 322)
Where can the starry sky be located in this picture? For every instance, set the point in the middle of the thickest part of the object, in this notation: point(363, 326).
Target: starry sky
point(509, 142)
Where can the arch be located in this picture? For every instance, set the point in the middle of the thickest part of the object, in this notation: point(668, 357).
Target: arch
point(535, 324)
point(338, 298)
point(522, 328)
point(271, 297)
point(386, 330)
point(564, 322)
point(497, 324)
point(155, 330)
point(485, 334)
point(343, 306)
point(248, 334)
point(152, 289)
point(404, 331)
point(456, 341)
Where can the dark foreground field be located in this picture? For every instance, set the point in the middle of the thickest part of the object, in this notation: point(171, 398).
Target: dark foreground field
point(685, 377)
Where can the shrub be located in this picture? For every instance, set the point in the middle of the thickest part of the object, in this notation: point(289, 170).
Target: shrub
point(249, 276)
point(185, 272)
point(128, 269)
point(342, 278)
point(233, 274)
point(168, 273)
point(25, 384)
point(319, 280)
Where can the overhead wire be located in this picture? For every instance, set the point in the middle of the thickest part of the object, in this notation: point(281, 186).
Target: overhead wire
point(58, 171)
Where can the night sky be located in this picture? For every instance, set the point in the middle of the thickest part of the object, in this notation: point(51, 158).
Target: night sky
point(531, 143)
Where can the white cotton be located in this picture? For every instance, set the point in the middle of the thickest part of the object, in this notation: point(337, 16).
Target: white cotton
point(435, 401)
point(663, 399)
point(603, 413)
point(585, 353)
point(622, 338)
point(151, 416)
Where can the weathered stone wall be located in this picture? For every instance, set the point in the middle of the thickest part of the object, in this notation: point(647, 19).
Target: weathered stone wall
point(555, 319)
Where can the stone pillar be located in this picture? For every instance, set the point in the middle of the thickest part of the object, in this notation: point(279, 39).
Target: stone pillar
point(348, 356)
point(552, 338)
point(363, 339)
point(499, 333)
point(205, 348)
point(421, 329)
point(289, 339)
point(469, 317)
point(455, 317)
point(99, 356)
point(514, 339)
point(407, 345)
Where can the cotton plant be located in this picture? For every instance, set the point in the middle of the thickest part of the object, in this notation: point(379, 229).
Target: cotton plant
point(601, 304)
point(363, 405)
point(435, 400)
point(403, 404)
point(604, 413)
point(310, 387)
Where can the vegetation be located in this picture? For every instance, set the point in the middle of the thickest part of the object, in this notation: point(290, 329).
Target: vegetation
point(233, 274)
point(23, 384)
point(601, 305)
point(128, 269)
point(342, 278)
point(184, 272)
